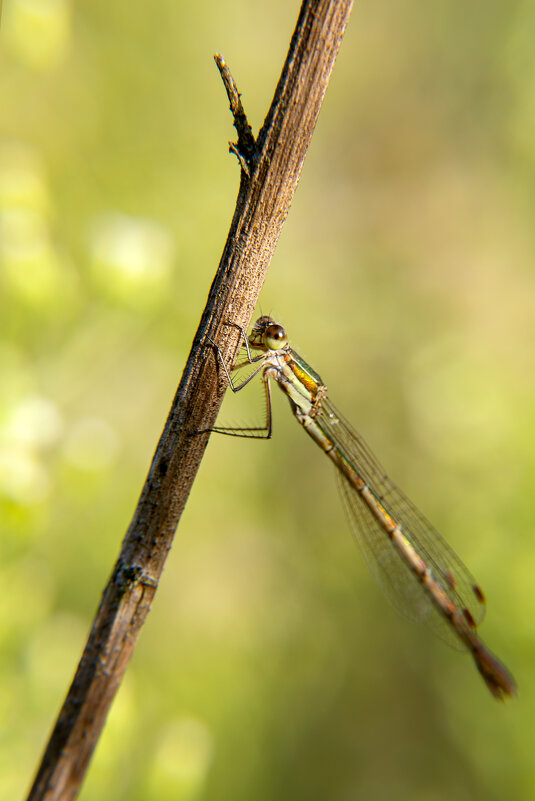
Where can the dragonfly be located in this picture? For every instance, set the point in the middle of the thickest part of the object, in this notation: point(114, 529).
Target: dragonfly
point(417, 568)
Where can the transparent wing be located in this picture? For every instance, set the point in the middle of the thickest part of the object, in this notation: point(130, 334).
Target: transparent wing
point(386, 563)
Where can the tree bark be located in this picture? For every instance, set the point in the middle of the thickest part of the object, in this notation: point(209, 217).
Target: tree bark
point(270, 168)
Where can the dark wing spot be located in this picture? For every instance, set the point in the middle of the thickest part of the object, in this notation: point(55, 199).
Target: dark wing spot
point(478, 592)
point(469, 619)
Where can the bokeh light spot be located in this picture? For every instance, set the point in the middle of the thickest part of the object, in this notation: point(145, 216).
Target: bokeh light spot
point(131, 258)
point(181, 760)
point(38, 31)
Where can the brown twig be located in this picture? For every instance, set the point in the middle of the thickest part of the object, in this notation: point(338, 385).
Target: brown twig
point(245, 147)
point(263, 201)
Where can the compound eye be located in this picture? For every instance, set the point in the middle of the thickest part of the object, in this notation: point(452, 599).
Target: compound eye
point(275, 337)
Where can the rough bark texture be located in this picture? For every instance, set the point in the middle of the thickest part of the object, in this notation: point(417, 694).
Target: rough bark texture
point(270, 172)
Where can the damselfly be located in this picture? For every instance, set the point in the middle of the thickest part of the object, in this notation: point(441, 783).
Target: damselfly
point(420, 571)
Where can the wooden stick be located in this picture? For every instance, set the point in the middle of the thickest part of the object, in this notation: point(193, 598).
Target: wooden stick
point(268, 182)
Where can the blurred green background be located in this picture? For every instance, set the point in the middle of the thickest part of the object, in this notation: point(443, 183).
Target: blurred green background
point(271, 665)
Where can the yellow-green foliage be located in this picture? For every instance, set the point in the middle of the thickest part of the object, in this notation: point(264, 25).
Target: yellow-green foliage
point(270, 666)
